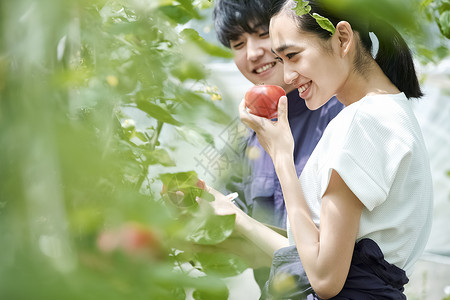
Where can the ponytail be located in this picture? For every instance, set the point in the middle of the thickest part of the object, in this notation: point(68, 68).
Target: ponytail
point(395, 59)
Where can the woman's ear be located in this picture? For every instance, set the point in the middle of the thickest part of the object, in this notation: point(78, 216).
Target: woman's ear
point(344, 36)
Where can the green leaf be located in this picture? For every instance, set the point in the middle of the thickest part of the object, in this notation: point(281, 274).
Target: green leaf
point(181, 14)
point(176, 13)
point(444, 6)
point(216, 292)
point(213, 230)
point(141, 136)
point(195, 135)
point(425, 3)
point(173, 181)
point(324, 23)
point(194, 107)
point(425, 53)
point(400, 13)
point(185, 182)
point(302, 8)
point(160, 156)
point(157, 112)
point(211, 49)
point(442, 52)
point(221, 263)
point(188, 69)
point(444, 24)
point(86, 219)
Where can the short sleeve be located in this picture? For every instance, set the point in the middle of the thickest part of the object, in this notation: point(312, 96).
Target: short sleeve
point(368, 159)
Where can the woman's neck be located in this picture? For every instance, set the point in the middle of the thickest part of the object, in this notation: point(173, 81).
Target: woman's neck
point(372, 82)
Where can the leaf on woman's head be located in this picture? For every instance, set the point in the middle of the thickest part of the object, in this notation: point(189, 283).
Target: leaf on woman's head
point(324, 23)
point(302, 8)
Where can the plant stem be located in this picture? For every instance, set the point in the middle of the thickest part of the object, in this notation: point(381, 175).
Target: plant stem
point(152, 144)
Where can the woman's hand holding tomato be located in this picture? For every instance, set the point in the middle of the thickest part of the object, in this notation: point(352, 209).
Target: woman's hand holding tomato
point(275, 136)
point(262, 100)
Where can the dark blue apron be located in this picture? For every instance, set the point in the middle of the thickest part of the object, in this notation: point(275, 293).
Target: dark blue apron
point(370, 276)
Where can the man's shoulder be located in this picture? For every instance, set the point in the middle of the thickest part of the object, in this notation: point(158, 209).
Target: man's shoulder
point(333, 104)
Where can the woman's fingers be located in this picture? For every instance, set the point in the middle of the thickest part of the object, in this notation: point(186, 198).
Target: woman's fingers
point(212, 191)
point(283, 109)
point(274, 136)
point(217, 195)
point(252, 121)
point(243, 113)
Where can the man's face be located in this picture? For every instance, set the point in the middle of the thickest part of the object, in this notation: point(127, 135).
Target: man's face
point(255, 60)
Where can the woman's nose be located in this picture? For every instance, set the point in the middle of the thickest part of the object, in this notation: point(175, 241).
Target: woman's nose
point(290, 75)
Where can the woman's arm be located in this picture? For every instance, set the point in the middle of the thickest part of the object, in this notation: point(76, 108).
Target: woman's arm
point(326, 252)
point(258, 234)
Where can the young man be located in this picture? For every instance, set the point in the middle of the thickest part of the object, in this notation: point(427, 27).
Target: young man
point(243, 26)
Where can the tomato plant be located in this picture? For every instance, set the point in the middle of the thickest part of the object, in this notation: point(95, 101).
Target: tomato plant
point(87, 97)
point(262, 100)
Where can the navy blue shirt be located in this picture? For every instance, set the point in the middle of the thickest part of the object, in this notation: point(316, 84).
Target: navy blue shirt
point(260, 191)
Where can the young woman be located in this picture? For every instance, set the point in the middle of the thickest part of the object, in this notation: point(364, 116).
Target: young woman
point(368, 180)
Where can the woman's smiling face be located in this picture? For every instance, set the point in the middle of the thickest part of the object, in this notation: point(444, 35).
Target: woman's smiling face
point(312, 65)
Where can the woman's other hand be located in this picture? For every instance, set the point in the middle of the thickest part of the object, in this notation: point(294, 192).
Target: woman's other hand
point(222, 204)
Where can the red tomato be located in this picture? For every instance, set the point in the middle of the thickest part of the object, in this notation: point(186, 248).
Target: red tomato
point(262, 100)
point(133, 239)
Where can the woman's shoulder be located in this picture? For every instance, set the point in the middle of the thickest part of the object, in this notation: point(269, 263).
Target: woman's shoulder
point(385, 119)
point(382, 108)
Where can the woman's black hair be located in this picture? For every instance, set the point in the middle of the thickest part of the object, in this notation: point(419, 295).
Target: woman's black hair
point(235, 17)
point(393, 55)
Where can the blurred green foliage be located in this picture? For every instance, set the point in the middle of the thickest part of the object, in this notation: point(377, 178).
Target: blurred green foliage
point(81, 214)
point(424, 23)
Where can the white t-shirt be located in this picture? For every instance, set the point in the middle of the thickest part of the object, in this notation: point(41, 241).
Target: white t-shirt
point(376, 146)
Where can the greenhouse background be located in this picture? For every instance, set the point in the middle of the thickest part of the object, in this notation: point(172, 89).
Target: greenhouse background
point(104, 103)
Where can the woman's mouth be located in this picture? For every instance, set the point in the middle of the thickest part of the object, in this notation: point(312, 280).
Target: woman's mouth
point(303, 90)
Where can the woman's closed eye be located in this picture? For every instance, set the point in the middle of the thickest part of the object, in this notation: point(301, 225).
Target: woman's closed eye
point(291, 55)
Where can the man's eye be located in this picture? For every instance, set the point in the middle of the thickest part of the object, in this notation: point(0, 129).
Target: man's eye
point(237, 45)
point(264, 34)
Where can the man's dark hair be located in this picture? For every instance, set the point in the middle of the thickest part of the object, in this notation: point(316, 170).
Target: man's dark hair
point(234, 17)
